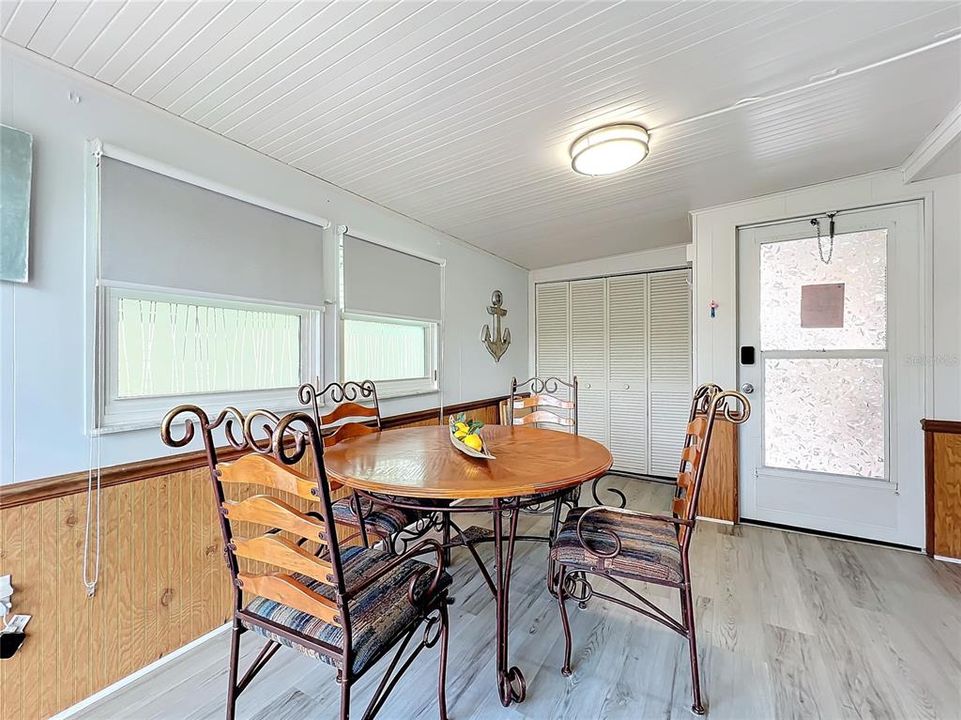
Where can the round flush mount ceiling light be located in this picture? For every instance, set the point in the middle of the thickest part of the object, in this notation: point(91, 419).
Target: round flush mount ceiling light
point(609, 149)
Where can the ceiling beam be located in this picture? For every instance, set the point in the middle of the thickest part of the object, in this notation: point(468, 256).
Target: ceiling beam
point(947, 131)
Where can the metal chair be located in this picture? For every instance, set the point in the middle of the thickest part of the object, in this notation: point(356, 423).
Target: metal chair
point(549, 403)
point(356, 412)
point(627, 545)
point(347, 607)
point(542, 398)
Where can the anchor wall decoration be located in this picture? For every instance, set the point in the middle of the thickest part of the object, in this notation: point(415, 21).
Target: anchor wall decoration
point(498, 344)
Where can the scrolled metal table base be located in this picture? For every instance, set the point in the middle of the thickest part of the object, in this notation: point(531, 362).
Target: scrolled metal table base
point(511, 685)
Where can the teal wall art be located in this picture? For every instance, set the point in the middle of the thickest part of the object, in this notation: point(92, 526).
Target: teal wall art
point(16, 168)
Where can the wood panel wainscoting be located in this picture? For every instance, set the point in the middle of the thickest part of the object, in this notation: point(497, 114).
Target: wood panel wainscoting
point(163, 582)
point(719, 497)
point(942, 472)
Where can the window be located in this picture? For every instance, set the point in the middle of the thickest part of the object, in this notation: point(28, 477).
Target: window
point(398, 355)
point(202, 295)
point(209, 351)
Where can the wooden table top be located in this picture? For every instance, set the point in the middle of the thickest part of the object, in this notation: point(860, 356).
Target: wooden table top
point(421, 462)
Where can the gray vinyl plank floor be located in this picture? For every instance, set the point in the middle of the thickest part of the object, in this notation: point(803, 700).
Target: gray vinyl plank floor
point(790, 626)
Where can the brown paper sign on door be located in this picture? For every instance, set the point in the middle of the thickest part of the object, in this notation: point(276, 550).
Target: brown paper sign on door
point(822, 306)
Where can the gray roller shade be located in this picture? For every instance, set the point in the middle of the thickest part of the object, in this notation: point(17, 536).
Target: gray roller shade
point(381, 281)
point(155, 230)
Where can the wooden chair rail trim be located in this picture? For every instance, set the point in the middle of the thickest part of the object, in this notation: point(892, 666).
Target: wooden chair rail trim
point(73, 483)
point(543, 416)
point(254, 469)
point(285, 554)
point(393, 421)
point(287, 591)
point(952, 427)
point(275, 513)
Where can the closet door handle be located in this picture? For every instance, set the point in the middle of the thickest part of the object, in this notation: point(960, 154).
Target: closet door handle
point(587, 385)
point(626, 386)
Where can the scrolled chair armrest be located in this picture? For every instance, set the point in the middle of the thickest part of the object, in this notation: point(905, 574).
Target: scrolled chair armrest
point(613, 536)
point(421, 548)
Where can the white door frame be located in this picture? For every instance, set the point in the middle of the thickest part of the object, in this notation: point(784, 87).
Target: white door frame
point(889, 511)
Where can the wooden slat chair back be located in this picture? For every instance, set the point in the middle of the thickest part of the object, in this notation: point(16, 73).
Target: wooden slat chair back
point(354, 403)
point(270, 547)
point(544, 403)
point(289, 559)
point(356, 411)
point(268, 466)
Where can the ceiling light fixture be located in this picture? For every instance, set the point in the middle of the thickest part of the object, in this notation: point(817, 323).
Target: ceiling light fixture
point(610, 149)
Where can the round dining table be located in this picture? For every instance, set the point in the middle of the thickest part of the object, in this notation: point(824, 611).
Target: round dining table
point(419, 468)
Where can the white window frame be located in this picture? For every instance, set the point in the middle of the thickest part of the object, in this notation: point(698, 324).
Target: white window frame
point(116, 414)
point(400, 387)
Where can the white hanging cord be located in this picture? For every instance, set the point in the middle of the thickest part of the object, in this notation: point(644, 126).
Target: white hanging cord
point(90, 582)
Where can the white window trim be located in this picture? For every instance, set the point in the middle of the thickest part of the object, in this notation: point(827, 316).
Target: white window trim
point(406, 387)
point(115, 414)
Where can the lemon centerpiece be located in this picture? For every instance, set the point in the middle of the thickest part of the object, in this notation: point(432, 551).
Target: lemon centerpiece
point(465, 437)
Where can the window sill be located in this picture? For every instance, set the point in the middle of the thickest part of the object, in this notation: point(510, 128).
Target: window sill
point(389, 391)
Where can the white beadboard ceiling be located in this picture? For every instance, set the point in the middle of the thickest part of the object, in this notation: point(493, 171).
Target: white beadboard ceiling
point(460, 114)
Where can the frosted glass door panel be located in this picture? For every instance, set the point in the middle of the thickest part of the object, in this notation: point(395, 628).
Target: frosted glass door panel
point(858, 262)
point(825, 415)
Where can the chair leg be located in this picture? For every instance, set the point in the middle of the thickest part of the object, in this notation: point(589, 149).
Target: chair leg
point(687, 609)
point(359, 511)
point(232, 672)
point(566, 667)
point(446, 537)
point(345, 700)
point(551, 537)
point(442, 662)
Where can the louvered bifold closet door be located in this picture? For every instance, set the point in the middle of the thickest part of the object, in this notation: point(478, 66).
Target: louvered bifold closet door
point(627, 372)
point(669, 361)
point(552, 330)
point(589, 356)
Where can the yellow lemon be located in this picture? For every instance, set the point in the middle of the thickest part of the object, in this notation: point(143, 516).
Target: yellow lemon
point(473, 442)
point(460, 434)
point(461, 426)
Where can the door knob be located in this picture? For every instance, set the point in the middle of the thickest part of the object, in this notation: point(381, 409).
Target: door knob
point(747, 388)
point(627, 387)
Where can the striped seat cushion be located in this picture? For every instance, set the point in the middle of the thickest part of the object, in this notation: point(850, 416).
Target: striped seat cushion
point(378, 615)
point(382, 521)
point(649, 549)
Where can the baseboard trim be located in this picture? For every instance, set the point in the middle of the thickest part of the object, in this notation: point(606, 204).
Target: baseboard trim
point(718, 521)
point(134, 676)
point(944, 558)
point(832, 536)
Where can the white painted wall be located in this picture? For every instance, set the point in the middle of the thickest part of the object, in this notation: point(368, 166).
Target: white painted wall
point(715, 272)
point(42, 349)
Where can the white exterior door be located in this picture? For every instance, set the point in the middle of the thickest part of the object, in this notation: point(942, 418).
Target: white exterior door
point(833, 443)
